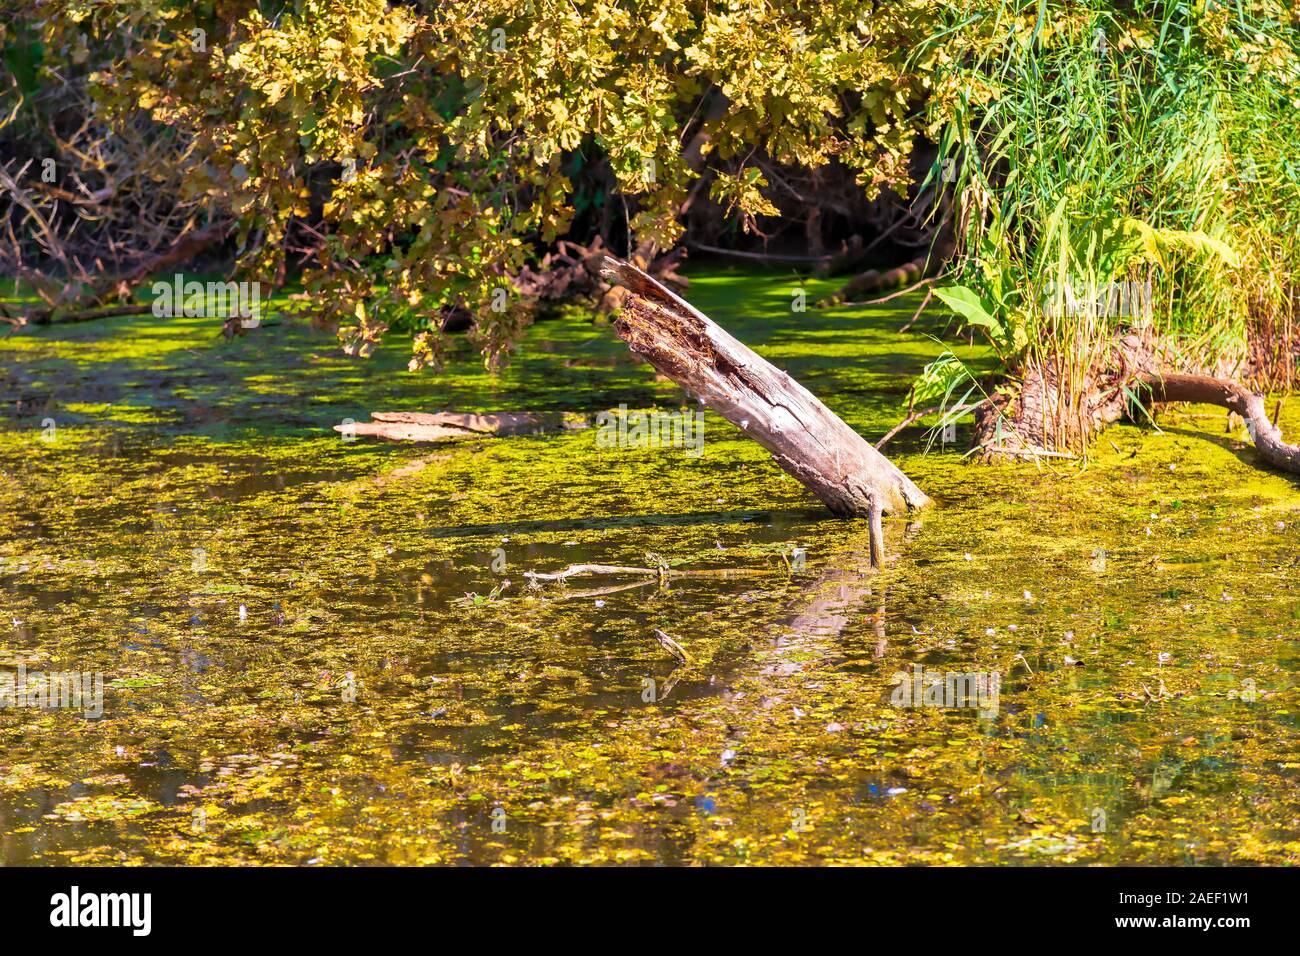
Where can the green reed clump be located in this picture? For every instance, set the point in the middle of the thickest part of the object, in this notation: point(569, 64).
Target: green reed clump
point(1123, 166)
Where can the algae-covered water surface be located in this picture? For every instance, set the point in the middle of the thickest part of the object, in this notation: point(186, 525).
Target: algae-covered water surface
point(322, 650)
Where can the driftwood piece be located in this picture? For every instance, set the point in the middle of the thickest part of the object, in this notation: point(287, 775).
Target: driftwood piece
point(450, 426)
point(580, 570)
point(662, 573)
point(805, 437)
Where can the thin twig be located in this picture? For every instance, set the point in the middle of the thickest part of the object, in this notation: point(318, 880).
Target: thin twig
point(912, 417)
point(929, 294)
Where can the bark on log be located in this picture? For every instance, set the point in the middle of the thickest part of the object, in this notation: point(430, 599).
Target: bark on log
point(450, 426)
point(807, 439)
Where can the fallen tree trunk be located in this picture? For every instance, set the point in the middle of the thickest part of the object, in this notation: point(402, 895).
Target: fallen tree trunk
point(805, 437)
point(928, 264)
point(91, 315)
point(450, 426)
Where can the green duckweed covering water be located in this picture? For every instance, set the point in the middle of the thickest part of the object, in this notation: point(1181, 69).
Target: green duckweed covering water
point(386, 696)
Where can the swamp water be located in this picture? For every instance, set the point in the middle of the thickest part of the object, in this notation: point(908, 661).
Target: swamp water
point(310, 651)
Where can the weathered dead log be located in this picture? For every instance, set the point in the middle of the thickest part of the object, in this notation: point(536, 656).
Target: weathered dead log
point(927, 264)
point(90, 315)
point(805, 437)
point(450, 426)
point(582, 570)
point(664, 574)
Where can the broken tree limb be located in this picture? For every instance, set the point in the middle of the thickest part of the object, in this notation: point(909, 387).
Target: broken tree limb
point(91, 315)
point(580, 570)
point(807, 439)
point(450, 426)
point(662, 573)
point(672, 647)
point(877, 538)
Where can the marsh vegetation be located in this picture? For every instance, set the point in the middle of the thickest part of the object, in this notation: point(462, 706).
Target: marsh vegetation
point(388, 513)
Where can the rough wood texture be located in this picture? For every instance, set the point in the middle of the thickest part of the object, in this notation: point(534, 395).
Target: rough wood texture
point(805, 437)
point(449, 426)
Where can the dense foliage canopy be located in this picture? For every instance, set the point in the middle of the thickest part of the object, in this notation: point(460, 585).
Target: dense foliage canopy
point(423, 154)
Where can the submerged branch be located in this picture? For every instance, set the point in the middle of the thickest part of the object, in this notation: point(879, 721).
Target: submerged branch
point(672, 647)
point(614, 570)
point(585, 570)
point(450, 426)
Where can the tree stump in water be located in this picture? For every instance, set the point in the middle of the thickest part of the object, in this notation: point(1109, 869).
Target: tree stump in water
point(1138, 369)
point(807, 439)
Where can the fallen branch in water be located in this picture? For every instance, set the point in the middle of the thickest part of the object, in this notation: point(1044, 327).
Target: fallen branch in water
point(91, 315)
point(584, 570)
point(1205, 389)
point(908, 290)
point(1140, 370)
point(567, 594)
point(607, 570)
point(450, 426)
